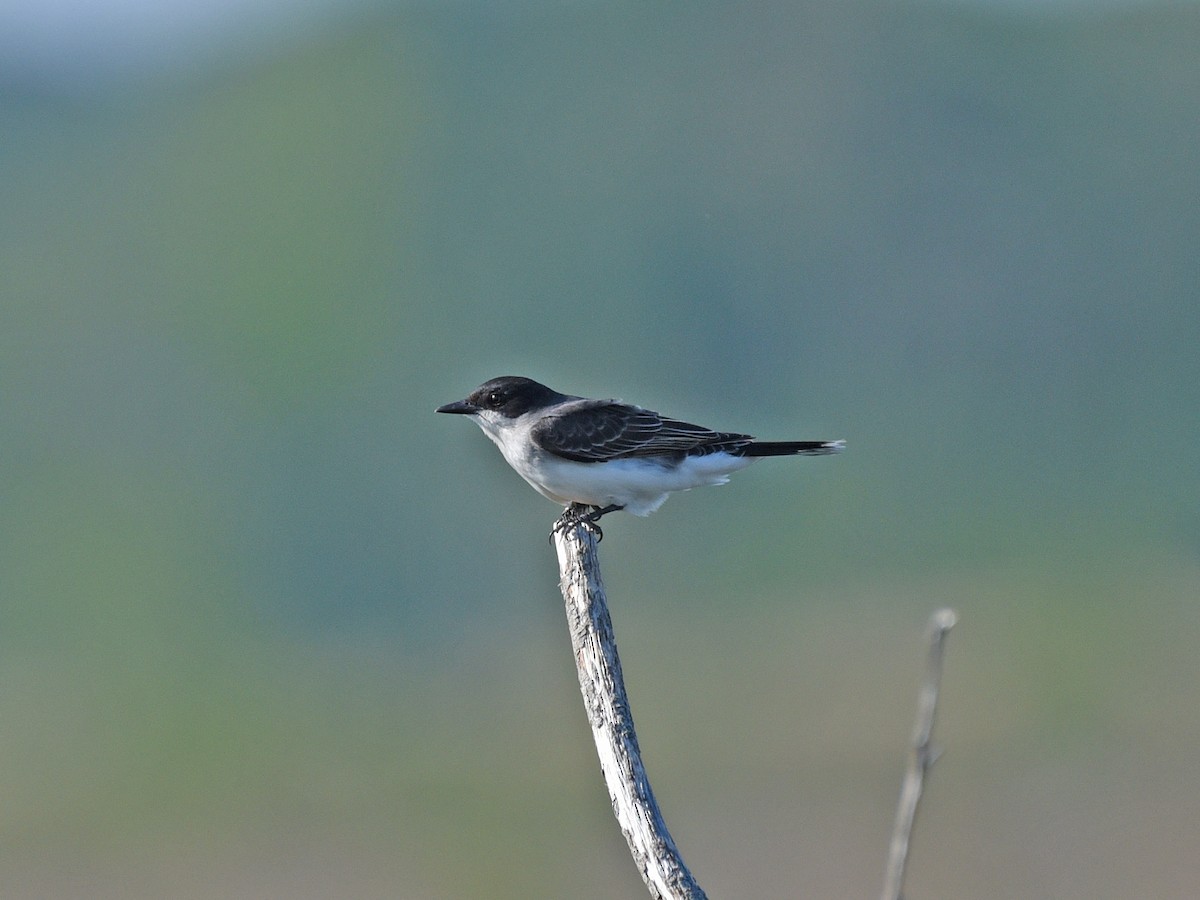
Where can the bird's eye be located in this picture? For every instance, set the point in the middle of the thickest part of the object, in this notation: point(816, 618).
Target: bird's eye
point(495, 399)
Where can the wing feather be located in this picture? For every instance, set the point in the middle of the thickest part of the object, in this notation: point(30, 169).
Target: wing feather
point(604, 430)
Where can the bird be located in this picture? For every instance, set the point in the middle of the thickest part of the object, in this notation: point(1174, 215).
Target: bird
point(595, 457)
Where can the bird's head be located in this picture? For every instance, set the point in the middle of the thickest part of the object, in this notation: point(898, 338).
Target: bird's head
point(506, 397)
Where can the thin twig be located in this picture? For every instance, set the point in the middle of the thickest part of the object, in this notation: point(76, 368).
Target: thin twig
point(920, 759)
point(607, 706)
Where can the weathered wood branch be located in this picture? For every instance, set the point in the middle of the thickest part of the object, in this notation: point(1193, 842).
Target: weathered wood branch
point(921, 757)
point(654, 852)
point(607, 706)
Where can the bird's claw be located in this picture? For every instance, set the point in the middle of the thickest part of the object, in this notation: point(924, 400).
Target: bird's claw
point(581, 514)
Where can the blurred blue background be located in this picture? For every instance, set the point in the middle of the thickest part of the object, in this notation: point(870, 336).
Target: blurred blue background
point(271, 628)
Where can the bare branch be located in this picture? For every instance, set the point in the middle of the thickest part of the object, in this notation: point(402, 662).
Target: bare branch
point(607, 706)
point(921, 758)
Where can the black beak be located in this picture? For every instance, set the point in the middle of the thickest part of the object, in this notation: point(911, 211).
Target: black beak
point(462, 407)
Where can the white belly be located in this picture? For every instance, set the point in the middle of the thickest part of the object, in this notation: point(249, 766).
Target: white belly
point(640, 485)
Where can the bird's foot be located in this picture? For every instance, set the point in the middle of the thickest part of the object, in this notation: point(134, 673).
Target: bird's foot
point(582, 514)
point(574, 514)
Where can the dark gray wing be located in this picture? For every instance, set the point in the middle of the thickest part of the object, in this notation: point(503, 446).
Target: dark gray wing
point(611, 430)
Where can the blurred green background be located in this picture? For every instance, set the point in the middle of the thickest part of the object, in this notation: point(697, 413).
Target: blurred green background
point(271, 628)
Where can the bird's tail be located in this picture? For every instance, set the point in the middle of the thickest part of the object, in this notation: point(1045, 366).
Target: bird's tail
point(793, 448)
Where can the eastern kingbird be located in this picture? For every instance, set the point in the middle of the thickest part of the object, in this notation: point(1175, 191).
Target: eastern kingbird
point(598, 456)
